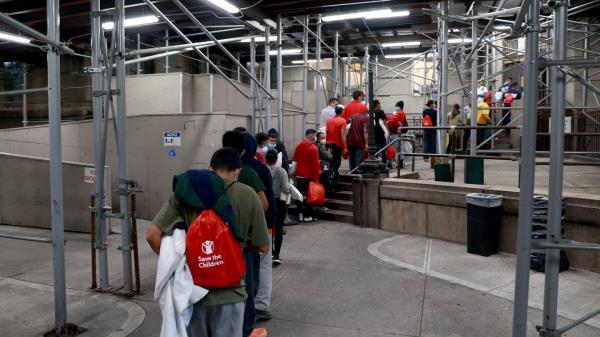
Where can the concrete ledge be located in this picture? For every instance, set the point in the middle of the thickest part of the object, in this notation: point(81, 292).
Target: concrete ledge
point(438, 210)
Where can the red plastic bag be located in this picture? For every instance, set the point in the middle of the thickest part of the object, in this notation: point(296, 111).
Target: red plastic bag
point(316, 194)
point(391, 153)
point(212, 253)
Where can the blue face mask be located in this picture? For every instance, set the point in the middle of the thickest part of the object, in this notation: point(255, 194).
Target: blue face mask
point(397, 108)
point(271, 146)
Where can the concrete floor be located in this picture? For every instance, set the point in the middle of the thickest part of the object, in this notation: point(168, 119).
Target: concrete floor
point(336, 280)
point(577, 179)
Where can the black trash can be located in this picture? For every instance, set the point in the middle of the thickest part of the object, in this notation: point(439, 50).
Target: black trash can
point(484, 214)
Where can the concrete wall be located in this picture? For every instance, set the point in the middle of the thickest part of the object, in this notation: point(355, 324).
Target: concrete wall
point(142, 97)
point(25, 193)
point(438, 210)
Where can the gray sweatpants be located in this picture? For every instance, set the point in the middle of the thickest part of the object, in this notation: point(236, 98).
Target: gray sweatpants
point(217, 321)
point(262, 301)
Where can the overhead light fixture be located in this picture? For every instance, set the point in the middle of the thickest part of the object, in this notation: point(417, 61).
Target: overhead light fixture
point(270, 23)
point(226, 5)
point(133, 22)
point(376, 14)
point(293, 51)
point(459, 40)
point(502, 27)
point(302, 61)
point(454, 30)
point(272, 38)
point(401, 44)
point(256, 25)
point(14, 38)
point(403, 56)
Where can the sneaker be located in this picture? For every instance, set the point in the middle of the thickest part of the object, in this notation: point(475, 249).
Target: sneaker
point(262, 315)
point(259, 332)
point(289, 221)
point(307, 219)
point(276, 261)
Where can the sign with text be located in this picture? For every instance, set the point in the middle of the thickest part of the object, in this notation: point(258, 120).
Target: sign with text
point(172, 138)
point(568, 124)
point(89, 175)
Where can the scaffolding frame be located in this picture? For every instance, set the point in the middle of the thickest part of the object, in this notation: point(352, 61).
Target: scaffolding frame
point(528, 22)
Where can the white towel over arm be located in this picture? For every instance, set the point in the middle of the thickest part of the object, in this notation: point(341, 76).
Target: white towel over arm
point(175, 289)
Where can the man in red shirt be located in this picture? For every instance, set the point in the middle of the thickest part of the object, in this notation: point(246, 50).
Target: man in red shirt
point(308, 168)
point(356, 106)
point(336, 140)
point(395, 124)
point(358, 138)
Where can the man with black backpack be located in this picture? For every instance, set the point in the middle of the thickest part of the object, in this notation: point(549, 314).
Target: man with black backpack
point(207, 203)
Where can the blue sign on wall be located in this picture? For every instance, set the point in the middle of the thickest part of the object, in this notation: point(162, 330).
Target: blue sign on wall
point(172, 153)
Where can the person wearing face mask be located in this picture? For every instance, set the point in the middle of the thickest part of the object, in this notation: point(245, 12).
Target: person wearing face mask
point(395, 124)
point(325, 159)
point(262, 140)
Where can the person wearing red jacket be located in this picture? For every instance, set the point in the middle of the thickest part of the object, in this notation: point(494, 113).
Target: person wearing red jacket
point(356, 106)
point(308, 168)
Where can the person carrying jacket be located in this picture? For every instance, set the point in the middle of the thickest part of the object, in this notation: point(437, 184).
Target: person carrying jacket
point(221, 312)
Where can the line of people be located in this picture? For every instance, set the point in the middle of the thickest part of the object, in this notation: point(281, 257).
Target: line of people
point(245, 185)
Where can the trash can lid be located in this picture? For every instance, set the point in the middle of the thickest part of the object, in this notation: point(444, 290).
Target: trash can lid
point(484, 199)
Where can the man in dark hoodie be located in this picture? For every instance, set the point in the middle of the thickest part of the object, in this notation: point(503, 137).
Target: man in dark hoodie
point(262, 301)
point(280, 147)
point(221, 312)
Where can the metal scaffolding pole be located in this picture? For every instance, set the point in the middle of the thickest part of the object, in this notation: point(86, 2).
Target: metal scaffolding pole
point(527, 172)
point(474, 60)
point(99, 148)
point(305, 74)
point(56, 175)
point(280, 77)
point(555, 189)
point(208, 61)
point(443, 96)
point(586, 71)
point(24, 120)
point(319, 85)
point(239, 66)
point(56, 44)
point(349, 73)
point(462, 69)
point(138, 68)
point(375, 79)
point(252, 84)
point(267, 82)
point(367, 82)
point(166, 45)
point(336, 66)
point(121, 120)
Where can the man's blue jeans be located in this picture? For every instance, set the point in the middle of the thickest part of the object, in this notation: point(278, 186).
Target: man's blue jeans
point(356, 156)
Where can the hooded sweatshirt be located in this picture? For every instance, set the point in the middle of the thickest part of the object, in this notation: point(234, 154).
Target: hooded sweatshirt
point(263, 173)
point(307, 158)
point(280, 147)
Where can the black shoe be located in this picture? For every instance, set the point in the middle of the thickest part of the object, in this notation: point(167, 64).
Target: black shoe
point(276, 261)
point(283, 232)
point(262, 315)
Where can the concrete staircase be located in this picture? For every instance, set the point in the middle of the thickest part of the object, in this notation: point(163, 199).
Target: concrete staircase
point(340, 204)
point(502, 141)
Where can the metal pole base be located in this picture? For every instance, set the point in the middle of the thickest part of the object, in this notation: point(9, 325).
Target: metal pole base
point(68, 330)
point(374, 167)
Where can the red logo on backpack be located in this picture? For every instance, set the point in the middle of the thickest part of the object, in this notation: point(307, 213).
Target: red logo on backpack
point(427, 121)
point(212, 253)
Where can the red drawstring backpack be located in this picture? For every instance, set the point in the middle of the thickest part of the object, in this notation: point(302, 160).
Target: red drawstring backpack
point(212, 253)
point(391, 153)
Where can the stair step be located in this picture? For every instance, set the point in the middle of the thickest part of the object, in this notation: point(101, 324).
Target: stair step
point(344, 186)
point(342, 195)
point(342, 205)
point(331, 214)
point(345, 179)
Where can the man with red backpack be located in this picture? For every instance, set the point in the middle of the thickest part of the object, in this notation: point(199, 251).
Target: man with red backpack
point(429, 136)
point(221, 217)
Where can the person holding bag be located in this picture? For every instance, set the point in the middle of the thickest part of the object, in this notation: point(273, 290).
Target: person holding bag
point(308, 168)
